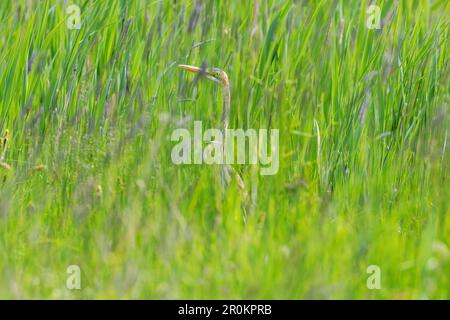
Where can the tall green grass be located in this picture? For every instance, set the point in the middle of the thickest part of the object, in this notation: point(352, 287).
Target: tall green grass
point(363, 180)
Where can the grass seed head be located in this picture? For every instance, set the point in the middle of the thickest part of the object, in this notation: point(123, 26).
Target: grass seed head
point(40, 167)
point(5, 166)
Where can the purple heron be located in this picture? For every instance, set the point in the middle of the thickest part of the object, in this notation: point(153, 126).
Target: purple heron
point(219, 76)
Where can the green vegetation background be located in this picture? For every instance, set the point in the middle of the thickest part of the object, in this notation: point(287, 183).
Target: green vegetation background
point(86, 175)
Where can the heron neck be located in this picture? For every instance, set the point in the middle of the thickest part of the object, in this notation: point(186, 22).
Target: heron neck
point(225, 107)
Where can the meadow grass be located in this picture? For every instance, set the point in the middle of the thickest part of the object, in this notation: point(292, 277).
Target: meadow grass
point(87, 179)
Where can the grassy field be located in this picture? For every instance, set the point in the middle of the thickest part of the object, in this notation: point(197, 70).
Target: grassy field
point(86, 176)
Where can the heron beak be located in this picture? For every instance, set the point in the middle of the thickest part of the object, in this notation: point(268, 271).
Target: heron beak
point(192, 69)
point(199, 71)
